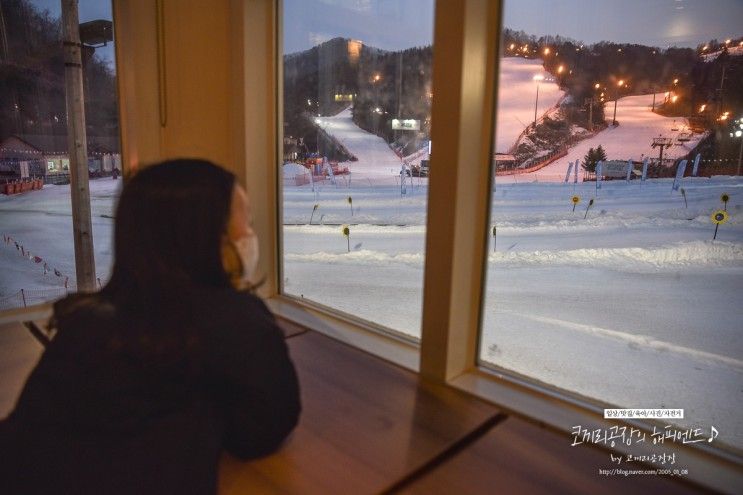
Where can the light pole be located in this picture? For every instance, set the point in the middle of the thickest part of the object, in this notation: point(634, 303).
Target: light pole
point(537, 78)
point(739, 134)
point(590, 108)
point(616, 97)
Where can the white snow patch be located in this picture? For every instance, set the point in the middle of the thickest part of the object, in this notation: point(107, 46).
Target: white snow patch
point(696, 254)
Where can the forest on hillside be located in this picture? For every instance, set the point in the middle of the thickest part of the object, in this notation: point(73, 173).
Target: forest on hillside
point(32, 90)
point(388, 84)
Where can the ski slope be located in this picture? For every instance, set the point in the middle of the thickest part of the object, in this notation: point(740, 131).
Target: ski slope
point(517, 93)
point(631, 139)
point(375, 156)
point(516, 99)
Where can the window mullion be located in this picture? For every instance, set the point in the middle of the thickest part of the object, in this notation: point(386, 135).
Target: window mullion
point(466, 43)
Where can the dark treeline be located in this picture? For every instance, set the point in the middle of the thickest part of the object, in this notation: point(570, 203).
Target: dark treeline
point(380, 86)
point(387, 85)
point(394, 85)
point(32, 91)
point(643, 68)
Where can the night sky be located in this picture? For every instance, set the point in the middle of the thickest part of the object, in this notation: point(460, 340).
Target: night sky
point(395, 24)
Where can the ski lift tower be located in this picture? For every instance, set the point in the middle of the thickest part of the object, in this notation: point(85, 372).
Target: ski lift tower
point(662, 143)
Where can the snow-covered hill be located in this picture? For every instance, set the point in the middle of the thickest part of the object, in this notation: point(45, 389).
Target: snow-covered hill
point(516, 98)
point(375, 156)
point(517, 93)
point(631, 139)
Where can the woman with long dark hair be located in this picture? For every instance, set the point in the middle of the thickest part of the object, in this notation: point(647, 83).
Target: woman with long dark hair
point(147, 381)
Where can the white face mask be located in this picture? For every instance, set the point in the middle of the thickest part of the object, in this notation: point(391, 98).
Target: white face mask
point(247, 250)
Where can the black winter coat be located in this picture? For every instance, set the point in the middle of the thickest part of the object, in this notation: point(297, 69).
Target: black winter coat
point(100, 416)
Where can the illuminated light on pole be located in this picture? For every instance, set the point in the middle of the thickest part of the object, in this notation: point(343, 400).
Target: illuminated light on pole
point(676, 81)
point(674, 98)
point(701, 109)
point(547, 51)
point(739, 135)
point(616, 97)
point(590, 109)
point(560, 69)
point(537, 78)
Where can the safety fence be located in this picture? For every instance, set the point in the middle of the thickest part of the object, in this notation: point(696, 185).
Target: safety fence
point(351, 181)
point(30, 297)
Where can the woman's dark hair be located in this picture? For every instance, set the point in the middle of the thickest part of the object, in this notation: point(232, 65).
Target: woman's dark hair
point(169, 225)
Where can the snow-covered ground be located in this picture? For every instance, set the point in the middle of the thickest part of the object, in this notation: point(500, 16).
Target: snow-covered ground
point(631, 139)
point(637, 293)
point(517, 93)
point(634, 305)
point(41, 222)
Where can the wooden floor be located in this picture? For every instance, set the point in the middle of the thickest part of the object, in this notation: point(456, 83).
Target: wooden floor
point(370, 427)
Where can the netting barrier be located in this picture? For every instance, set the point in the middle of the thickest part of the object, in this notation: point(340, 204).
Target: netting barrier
point(30, 297)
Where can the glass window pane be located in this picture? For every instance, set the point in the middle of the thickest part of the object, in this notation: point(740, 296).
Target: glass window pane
point(357, 102)
point(37, 259)
point(617, 152)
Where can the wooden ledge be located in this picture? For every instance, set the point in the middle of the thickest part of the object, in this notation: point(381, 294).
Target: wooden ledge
point(365, 425)
point(19, 353)
point(521, 457)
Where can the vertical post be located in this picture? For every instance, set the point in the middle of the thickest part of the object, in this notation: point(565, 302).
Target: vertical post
point(23, 293)
point(590, 115)
point(740, 155)
point(466, 40)
point(398, 87)
point(721, 90)
point(78, 148)
point(614, 119)
point(536, 101)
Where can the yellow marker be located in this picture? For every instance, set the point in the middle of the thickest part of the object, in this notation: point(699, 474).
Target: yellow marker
point(347, 233)
point(575, 199)
point(719, 217)
point(724, 197)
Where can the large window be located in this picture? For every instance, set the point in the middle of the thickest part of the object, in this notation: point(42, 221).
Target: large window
point(37, 258)
point(615, 265)
point(356, 122)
